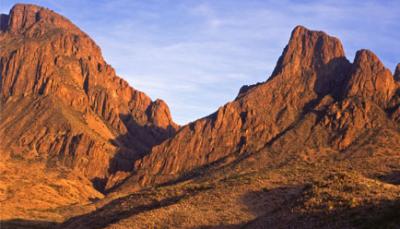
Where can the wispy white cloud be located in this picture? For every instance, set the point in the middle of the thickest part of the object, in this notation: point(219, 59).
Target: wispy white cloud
point(207, 12)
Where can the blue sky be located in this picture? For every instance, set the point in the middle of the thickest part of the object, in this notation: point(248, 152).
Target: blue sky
point(196, 54)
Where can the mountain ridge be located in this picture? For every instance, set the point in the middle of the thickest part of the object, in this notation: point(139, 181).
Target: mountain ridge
point(311, 72)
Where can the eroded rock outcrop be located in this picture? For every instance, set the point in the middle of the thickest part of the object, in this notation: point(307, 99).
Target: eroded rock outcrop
point(370, 79)
point(316, 54)
point(62, 103)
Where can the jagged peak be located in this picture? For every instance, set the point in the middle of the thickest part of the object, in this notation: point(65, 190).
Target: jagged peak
point(369, 78)
point(27, 7)
point(369, 64)
point(67, 56)
point(308, 49)
point(160, 115)
point(300, 30)
point(366, 56)
point(23, 16)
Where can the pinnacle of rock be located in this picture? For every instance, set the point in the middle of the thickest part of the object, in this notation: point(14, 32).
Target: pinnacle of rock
point(370, 79)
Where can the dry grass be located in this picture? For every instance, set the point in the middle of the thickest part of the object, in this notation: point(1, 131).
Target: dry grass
point(337, 190)
point(29, 190)
point(358, 187)
point(298, 193)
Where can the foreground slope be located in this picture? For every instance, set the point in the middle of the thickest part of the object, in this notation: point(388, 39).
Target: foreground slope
point(324, 193)
point(64, 109)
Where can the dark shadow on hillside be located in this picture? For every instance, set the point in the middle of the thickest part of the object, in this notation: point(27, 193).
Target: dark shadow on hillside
point(266, 201)
point(26, 224)
point(132, 146)
point(117, 210)
point(280, 207)
point(391, 178)
point(112, 212)
point(224, 226)
point(386, 214)
point(276, 208)
point(136, 143)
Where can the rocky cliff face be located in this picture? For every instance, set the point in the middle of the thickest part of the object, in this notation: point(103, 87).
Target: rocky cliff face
point(62, 104)
point(315, 98)
point(370, 79)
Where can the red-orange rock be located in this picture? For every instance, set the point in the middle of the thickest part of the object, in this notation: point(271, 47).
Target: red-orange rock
point(69, 125)
point(62, 103)
point(314, 98)
point(370, 79)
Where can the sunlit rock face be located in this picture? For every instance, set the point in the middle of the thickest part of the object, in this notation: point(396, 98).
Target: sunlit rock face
point(64, 105)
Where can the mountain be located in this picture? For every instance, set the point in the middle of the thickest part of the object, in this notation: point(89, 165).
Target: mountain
point(315, 98)
point(64, 108)
point(316, 145)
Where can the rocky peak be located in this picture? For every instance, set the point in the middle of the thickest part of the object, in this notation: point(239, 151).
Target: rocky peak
point(308, 49)
point(370, 79)
point(47, 59)
point(397, 73)
point(313, 60)
point(62, 61)
point(367, 57)
point(24, 17)
point(160, 115)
